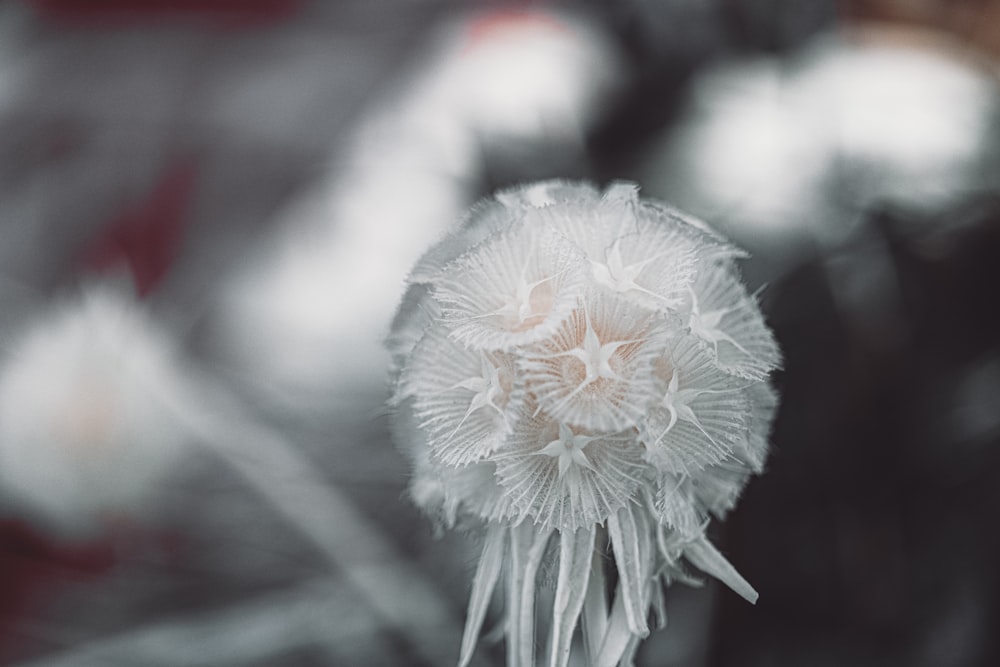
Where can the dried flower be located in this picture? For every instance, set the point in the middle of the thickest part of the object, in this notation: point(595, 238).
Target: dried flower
point(583, 369)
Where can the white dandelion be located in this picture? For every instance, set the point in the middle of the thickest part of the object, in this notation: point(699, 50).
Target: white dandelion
point(580, 373)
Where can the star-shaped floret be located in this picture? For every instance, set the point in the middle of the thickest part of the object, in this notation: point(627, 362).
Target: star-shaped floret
point(596, 371)
point(487, 388)
point(701, 414)
point(568, 448)
point(596, 356)
point(513, 288)
point(707, 326)
point(620, 277)
point(729, 322)
point(518, 308)
point(677, 402)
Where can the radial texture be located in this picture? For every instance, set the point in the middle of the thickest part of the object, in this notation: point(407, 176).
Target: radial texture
point(581, 372)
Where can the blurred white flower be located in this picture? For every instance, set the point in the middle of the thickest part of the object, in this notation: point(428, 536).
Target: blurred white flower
point(584, 368)
point(82, 436)
point(789, 153)
point(493, 82)
point(520, 74)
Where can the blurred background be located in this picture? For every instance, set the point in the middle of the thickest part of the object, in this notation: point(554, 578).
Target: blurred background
point(208, 208)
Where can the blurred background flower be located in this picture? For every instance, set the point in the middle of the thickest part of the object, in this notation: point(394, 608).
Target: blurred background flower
point(264, 173)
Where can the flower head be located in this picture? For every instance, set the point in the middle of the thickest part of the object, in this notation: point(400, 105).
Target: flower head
point(82, 434)
point(585, 369)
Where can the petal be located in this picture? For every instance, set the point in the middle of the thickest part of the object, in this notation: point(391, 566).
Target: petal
point(663, 261)
point(547, 193)
point(527, 549)
point(555, 373)
point(521, 537)
point(715, 417)
point(441, 491)
point(670, 547)
point(425, 488)
point(655, 255)
point(718, 487)
point(580, 222)
point(630, 539)
point(473, 489)
point(416, 312)
point(621, 193)
point(595, 607)
point(576, 550)
point(463, 425)
point(696, 366)
point(740, 340)
point(484, 219)
point(711, 245)
point(764, 405)
point(580, 497)
point(677, 507)
point(685, 448)
point(658, 603)
point(630, 652)
point(591, 220)
point(707, 558)
point(483, 584)
point(618, 636)
point(514, 288)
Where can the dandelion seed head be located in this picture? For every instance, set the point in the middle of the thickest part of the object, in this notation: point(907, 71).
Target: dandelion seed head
point(588, 364)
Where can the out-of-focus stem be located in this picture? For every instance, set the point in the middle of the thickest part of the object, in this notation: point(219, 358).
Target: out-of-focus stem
point(397, 591)
point(265, 626)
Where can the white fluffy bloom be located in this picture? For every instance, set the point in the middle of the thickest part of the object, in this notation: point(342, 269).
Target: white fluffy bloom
point(82, 435)
point(585, 369)
point(789, 152)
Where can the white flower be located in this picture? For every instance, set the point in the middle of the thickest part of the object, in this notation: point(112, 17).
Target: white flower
point(586, 369)
point(513, 75)
point(81, 436)
point(790, 153)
